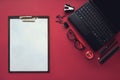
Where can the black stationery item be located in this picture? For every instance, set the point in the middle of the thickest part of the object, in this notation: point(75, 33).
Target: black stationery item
point(59, 19)
point(66, 25)
point(68, 8)
point(109, 48)
point(106, 47)
point(97, 21)
point(109, 54)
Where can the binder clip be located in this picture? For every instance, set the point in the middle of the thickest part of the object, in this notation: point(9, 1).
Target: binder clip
point(68, 8)
point(28, 18)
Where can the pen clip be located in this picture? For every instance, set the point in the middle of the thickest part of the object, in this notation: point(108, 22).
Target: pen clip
point(28, 18)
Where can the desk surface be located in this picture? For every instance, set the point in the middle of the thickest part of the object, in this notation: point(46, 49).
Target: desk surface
point(66, 63)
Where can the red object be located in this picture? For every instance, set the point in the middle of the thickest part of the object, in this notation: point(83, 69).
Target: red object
point(89, 55)
point(66, 62)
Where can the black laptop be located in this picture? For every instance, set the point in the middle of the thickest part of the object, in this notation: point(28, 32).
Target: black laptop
point(97, 21)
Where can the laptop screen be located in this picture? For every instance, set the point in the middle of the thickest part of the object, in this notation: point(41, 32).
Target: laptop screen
point(111, 9)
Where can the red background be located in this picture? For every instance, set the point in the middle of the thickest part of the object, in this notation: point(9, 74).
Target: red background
point(66, 63)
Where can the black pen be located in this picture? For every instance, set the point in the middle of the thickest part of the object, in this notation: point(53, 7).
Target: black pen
point(106, 47)
point(109, 54)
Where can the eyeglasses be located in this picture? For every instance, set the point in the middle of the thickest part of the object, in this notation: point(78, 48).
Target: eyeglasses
point(77, 44)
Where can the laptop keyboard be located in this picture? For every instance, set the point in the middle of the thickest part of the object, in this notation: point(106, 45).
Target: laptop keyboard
point(94, 22)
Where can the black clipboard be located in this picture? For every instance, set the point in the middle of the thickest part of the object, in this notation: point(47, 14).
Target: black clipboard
point(28, 43)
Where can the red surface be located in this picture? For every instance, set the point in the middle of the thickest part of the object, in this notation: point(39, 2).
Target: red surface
point(66, 63)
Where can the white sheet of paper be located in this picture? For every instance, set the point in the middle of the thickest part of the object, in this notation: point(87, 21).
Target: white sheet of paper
point(29, 45)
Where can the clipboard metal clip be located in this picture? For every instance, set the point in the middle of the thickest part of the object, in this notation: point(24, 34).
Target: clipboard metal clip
point(28, 18)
